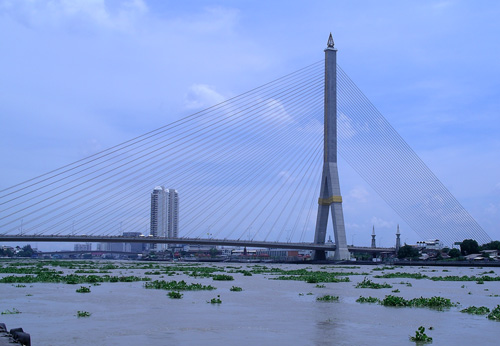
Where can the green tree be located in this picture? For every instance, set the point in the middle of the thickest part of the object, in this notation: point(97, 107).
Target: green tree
point(454, 253)
point(213, 252)
point(6, 252)
point(407, 251)
point(26, 251)
point(493, 245)
point(469, 246)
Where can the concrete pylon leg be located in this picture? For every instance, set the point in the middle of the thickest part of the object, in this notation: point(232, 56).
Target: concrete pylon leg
point(330, 200)
point(341, 253)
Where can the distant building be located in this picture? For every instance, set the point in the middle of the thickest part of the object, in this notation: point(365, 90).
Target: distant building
point(83, 247)
point(158, 222)
point(113, 247)
point(173, 214)
point(133, 247)
point(431, 244)
point(164, 214)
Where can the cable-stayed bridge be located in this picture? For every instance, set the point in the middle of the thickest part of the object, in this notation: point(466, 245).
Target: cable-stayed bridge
point(247, 171)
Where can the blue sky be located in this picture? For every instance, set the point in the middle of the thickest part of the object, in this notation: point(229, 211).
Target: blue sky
point(80, 76)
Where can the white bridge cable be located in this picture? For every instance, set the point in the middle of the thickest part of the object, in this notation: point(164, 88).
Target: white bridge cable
point(378, 154)
point(69, 167)
point(154, 138)
point(406, 174)
point(249, 165)
point(191, 172)
point(86, 210)
point(118, 193)
point(169, 157)
point(225, 205)
point(189, 177)
point(174, 139)
point(374, 161)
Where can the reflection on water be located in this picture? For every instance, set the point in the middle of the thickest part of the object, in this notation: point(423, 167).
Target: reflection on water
point(266, 312)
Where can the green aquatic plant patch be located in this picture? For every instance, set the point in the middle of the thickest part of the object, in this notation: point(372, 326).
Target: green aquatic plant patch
point(14, 311)
point(241, 271)
point(466, 278)
point(420, 336)
point(27, 270)
point(367, 300)
point(433, 302)
point(156, 272)
point(83, 289)
point(367, 283)
point(216, 300)
point(174, 295)
point(328, 298)
point(473, 310)
point(391, 300)
point(91, 271)
point(236, 289)
point(73, 279)
point(83, 314)
point(383, 268)
point(417, 276)
point(222, 277)
point(313, 277)
point(177, 286)
point(494, 315)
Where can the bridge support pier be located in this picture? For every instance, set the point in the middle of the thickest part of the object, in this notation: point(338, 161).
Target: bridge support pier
point(330, 198)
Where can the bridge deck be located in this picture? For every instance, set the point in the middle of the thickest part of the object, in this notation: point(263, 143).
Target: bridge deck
point(198, 241)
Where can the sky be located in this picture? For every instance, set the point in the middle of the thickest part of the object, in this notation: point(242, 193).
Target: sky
point(80, 76)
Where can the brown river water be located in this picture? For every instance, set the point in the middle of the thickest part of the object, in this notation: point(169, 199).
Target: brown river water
point(266, 312)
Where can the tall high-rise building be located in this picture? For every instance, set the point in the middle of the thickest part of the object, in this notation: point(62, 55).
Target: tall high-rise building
point(158, 223)
point(173, 213)
point(164, 214)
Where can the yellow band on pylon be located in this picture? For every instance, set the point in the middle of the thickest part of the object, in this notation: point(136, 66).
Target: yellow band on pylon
point(330, 200)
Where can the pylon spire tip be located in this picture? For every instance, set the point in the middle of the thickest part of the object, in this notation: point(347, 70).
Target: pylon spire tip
point(330, 43)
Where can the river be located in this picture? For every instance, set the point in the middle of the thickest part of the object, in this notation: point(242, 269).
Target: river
point(266, 312)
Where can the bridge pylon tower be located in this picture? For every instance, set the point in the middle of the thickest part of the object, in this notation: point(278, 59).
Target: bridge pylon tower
point(329, 196)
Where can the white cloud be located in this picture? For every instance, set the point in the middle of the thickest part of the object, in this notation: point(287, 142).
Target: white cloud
point(345, 126)
point(202, 96)
point(91, 147)
point(359, 194)
point(441, 6)
point(286, 176)
point(276, 111)
point(313, 126)
point(496, 189)
point(380, 223)
point(492, 209)
point(55, 13)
